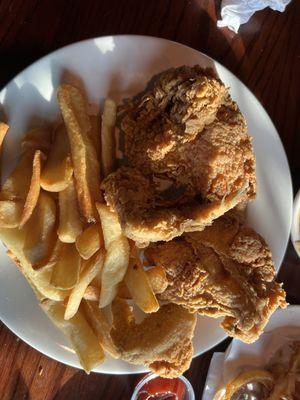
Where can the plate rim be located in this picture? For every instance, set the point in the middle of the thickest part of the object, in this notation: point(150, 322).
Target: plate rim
point(283, 313)
point(295, 231)
point(154, 38)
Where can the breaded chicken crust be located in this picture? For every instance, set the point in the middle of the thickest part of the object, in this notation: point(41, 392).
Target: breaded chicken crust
point(162, 341)
point(224, 271)
point(188, 150)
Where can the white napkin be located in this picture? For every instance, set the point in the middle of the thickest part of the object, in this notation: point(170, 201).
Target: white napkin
point(241, 357)
point(237, 12)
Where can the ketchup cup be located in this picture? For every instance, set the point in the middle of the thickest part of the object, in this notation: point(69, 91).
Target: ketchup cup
point(153, 387)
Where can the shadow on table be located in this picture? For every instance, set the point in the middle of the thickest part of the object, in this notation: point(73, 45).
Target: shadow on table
point(97, 386)
point(197, 372)
point(19, 388)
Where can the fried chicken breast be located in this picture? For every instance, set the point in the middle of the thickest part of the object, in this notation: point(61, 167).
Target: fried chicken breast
point(162, 341)
point(143, 216)
point(224, 271)
point(189, 156)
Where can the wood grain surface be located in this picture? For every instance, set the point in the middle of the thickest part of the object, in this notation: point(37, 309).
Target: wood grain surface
point(265, 55)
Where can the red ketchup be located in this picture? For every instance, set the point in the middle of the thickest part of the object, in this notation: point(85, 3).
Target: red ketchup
point(162, 389)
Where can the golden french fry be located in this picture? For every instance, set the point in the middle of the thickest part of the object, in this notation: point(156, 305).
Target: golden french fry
point(157, 279)
point(41, 279)
point(117, 255)
point(262, 376)
point(156, 276)
point(114, 269)
point(58, 169)
point(40, 231)
point(92, 293)
point(95, 133)
point(70, 225)
point(16, 186)
point(91, 268)
point(79, 333)
point(99, 323)
point(89, 241)
point(97, 282)
point(3, 131)
point(11, 255)
point(140, 288)
point(84, 157)
point(10, 213)
point(14, 239)
point(108, 136)
point(111, 227)
point(34, 188)
point(123, 291)
point(55, 254)
point(66, 270)
point(37, 139)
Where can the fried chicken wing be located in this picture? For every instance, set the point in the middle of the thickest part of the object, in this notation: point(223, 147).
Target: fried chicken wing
point(162, 341)
point(189, 153)
point(224, 271)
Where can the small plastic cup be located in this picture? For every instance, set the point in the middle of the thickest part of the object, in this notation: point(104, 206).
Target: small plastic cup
point(150, 378)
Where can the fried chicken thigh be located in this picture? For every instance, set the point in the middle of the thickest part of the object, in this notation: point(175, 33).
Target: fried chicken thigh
point(162, 341)
point(224, 271)
point(190, 157)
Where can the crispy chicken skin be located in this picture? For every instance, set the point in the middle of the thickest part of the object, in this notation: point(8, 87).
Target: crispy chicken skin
point(143, 215)
point(162, 341)
point(189, 130)
point(187, 147)
point(224, 271)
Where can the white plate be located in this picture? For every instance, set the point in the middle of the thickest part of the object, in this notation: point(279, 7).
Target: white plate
point(120, 66)
point(295, 234)
point(284, 323)
point(284, 318)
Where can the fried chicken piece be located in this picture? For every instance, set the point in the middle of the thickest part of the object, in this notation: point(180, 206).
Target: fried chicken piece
point(224, 271)
point(189, 130)
point(187, 146)
point(142, 217)
point(162, 341)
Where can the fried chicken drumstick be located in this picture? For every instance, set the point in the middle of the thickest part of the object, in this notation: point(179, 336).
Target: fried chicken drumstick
point(224, 271)
point(190, 158)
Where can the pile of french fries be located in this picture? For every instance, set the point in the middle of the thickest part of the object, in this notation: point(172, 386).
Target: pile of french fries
point(63, 237)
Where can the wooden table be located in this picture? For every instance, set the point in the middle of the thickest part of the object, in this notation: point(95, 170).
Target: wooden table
point(265, 55)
